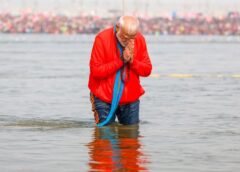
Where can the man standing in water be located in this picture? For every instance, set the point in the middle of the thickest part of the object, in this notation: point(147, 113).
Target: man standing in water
point(123, 48)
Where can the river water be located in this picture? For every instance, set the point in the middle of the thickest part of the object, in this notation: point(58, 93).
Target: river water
point(190, 113)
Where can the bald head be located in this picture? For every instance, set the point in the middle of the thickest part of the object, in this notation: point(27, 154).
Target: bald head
point(127, 28)
point(128, 24)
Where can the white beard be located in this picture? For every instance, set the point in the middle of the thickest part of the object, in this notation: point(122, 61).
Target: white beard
point(120, 40)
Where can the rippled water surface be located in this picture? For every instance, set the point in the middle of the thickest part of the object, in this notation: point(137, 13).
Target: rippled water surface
point(190, 114)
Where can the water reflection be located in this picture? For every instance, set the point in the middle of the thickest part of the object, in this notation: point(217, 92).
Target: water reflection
point(116, 148)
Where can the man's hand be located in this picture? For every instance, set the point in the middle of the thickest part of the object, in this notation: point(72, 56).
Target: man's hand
point(128, 52)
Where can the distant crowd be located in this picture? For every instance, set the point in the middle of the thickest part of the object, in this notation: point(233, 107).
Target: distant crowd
point(194, 24)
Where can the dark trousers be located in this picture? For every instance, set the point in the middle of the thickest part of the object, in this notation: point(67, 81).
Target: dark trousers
point(127, 114)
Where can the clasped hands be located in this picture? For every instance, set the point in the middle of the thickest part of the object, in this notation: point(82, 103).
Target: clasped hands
point(128, 52)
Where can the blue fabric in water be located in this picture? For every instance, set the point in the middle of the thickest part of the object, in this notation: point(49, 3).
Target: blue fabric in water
point(117, 90)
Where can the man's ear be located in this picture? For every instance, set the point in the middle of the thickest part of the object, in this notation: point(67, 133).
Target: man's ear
point(117, 27)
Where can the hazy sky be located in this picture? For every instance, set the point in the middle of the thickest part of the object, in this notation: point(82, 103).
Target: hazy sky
point(102, 7)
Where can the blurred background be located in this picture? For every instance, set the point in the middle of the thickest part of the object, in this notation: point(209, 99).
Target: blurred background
point(173, 17)
point(190, 112)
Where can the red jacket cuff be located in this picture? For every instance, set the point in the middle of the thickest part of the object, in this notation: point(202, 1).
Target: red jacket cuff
point(134, 64)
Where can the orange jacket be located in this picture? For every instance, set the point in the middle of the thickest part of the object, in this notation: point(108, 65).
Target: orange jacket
point(105, 61)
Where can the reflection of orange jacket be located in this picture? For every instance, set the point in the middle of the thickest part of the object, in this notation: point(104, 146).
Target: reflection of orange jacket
point(105, 62)
point(105, 158)
point(132, 158)
point(101, 156)
point(109, 152)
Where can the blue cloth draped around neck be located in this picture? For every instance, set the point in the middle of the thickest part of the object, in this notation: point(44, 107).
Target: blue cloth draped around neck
point(117, 89)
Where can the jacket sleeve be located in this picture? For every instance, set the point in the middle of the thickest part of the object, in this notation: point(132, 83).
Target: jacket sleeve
point(142, 65)
point(99, 68)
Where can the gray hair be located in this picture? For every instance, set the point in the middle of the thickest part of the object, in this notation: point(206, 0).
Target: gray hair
point(129, 23)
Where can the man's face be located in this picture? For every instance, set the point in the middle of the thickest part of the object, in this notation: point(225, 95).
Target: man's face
point(124, 38)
